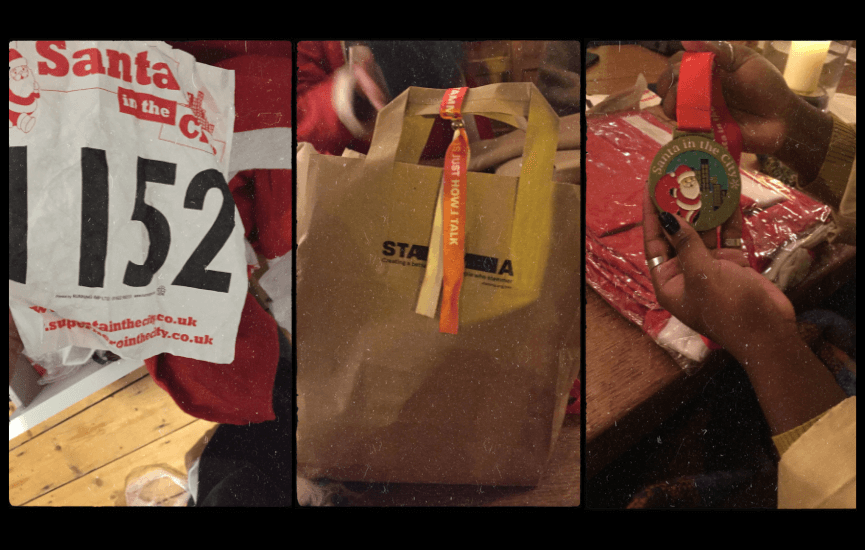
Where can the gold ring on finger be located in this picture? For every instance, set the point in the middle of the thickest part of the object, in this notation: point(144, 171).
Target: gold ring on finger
point(655, 262)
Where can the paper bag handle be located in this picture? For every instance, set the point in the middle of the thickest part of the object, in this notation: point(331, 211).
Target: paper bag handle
point(403, 126)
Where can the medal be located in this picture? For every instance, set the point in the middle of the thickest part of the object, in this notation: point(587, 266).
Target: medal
point(695, 176)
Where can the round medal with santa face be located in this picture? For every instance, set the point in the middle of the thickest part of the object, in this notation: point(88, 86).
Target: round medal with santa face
point(697, 179)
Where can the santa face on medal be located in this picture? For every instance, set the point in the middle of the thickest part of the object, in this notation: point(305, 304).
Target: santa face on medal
point(696, 179)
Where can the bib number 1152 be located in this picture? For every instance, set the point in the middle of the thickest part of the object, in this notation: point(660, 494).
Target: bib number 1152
point(94, 223)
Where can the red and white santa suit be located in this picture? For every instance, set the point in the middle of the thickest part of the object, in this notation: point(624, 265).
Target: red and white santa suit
point(673, 195)
point(261, 184)
point(23, 92)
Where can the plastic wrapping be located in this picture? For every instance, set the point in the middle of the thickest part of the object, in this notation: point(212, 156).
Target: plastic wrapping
point(66, 362)
point(57, 365)
point(620, 147)
point(157, 485)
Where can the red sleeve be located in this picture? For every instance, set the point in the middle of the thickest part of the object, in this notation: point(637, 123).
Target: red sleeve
point(264, 201)
point(316, 63)
point(274, 213)
point(242, 187)
point(262, 92)
point(238, 393)
point(317, 120)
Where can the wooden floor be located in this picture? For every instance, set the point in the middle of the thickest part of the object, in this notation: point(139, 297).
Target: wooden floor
point(83, 455)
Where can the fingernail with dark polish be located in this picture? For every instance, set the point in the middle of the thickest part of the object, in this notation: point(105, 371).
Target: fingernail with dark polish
point(670, 224)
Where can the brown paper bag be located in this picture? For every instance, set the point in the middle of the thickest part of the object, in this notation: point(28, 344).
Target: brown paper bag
point(382, 394)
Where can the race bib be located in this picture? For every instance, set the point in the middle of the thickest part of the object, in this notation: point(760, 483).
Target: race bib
point(123, 234)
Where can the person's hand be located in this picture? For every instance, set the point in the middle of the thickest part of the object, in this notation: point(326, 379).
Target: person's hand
point(772, 118)
point(712, 290)
point(370, 89)
point(754, 90)
point(716, 293)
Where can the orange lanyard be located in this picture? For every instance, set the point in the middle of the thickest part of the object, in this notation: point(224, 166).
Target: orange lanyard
point(454, 180)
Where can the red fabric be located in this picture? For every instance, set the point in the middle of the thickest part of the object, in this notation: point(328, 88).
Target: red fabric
point(263, 92)
point(238, 393)
point(265, 209)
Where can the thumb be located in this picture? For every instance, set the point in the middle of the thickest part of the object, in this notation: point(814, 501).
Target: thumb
point(692, 253)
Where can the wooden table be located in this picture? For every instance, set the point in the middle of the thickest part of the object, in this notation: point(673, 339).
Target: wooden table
point(632, 385)
point(619, 66)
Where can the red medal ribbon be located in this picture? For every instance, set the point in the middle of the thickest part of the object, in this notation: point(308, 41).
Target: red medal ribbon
point(724, 126)
point(454, 180)
point(694, 96)
point(700, 103)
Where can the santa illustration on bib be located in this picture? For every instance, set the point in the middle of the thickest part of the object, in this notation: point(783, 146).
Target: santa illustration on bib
point(679, 193)
point(23, 93)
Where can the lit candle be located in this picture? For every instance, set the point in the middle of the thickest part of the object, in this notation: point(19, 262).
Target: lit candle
point(804, 65)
